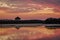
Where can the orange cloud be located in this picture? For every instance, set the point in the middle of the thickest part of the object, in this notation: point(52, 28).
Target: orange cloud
point(30, 11)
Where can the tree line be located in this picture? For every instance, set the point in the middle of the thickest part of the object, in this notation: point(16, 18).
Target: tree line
point(47, 21)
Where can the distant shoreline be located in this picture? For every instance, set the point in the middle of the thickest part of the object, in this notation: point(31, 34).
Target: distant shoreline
point(19, 21)
point(50, 26)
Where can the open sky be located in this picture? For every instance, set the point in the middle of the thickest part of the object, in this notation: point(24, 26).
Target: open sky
point(29, 9)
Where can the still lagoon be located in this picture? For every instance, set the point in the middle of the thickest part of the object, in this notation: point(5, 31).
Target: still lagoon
point(29, 33)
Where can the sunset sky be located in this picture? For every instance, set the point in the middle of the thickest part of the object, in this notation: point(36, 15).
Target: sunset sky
point(29, 9)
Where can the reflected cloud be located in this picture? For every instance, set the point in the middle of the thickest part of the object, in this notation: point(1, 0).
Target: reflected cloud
point(27, 33)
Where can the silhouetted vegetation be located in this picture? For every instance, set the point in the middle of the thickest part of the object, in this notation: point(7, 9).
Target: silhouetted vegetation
point(18, 21)
point(52, 21)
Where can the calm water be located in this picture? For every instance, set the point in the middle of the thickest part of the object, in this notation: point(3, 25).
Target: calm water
point(29, 33)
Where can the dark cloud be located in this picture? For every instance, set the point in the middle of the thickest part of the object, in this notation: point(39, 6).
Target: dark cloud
point(51, 38)
point(56, 2)
point(14, 1)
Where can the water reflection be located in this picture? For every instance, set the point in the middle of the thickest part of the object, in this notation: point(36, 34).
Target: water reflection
point(29, 33)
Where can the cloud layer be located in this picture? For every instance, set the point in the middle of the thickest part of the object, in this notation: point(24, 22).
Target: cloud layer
point(30, 7)
point(56, 2)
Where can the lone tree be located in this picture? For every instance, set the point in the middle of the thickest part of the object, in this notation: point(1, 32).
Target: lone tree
point(17, 18)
